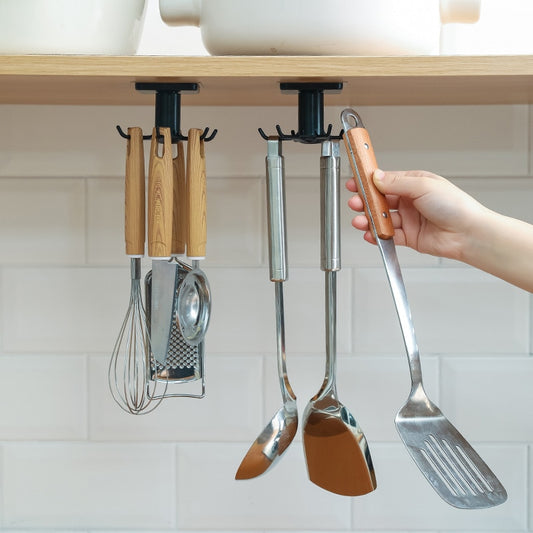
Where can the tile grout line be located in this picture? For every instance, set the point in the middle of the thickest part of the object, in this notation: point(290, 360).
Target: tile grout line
point(85, 261)
point(527, 483)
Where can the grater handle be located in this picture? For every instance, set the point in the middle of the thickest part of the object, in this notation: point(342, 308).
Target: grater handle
point(160, 197)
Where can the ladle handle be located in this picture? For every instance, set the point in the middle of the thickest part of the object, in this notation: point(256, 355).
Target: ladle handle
point(179, 212)
point(277, 233)
point(330, 243)
point(197, 196)
point(363, 163)
point(134, 196)
point(160, 196)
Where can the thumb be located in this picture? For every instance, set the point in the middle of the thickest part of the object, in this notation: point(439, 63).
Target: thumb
point(399, 183)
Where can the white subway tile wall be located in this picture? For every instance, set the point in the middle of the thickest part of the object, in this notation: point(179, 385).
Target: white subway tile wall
point(71, 460)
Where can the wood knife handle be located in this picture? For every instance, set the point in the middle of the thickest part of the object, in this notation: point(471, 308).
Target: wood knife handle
point(160, 197)
point(358, 143)
point(134, 196)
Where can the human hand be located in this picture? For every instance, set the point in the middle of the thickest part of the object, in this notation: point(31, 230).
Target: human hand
point(429, 214)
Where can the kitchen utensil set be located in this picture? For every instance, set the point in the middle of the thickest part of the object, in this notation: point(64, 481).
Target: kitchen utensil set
point(151, 352)
point(335, 447)
point(336, 450)
point(164, 346)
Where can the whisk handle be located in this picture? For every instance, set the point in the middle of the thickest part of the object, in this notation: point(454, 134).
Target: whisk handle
point(134, 222)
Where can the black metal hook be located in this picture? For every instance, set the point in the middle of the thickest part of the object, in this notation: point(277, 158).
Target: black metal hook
point(168, 109)
point(204, 136)
point(294, 136)
point(310, 113)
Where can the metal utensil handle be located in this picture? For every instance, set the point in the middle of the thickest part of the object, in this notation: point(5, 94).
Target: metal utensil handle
point(330, 256)
point(277, 232)
point(160, 197)
point(277, 251)
point(330, 249)
point(134, 220)
point(363, 163)
point(197, 195)
point(179, 212)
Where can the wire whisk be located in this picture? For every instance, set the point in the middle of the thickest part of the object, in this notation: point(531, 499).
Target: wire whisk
point(130, 365)
point(129, 368)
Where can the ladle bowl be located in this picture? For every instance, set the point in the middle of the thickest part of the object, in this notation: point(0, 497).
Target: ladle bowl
point(271, 443)
point(194, 306)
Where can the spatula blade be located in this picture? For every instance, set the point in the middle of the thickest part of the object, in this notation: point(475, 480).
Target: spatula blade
point(337, 454)
point(449, 463)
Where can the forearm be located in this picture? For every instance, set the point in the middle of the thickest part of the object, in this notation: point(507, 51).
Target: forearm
point(503, 247)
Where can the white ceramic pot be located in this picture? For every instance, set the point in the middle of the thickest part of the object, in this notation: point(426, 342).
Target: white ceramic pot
point(110, 27)
point(317, 27)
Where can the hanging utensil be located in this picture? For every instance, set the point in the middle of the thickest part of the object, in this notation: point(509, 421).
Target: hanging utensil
point(336, 450)
point(160, 209)
point(128, 372)
point(194, 297)
point(183, 362)
point(280, 431)
point(442, 454)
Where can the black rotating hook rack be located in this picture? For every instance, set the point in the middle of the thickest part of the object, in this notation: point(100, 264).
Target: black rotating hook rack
point(310, 113)
point(168, 109)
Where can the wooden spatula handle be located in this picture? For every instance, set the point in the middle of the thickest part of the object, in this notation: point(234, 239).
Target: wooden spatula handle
point(160, 197)
point(359, 141)
point(179, 213)
point(197, 195)
point(134, 222)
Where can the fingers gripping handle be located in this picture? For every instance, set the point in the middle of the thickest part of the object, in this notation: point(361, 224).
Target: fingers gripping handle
point(363, 163)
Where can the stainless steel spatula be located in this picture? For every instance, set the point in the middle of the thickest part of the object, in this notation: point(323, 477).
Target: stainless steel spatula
point(442, 454)
point(336, 450)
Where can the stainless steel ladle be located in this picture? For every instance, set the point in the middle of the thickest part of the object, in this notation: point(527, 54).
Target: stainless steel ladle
point(194, 295)
point(280, 431)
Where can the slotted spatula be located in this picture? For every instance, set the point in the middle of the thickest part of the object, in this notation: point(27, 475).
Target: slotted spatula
point(442, 454)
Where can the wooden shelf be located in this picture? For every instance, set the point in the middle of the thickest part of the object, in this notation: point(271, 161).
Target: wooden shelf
point(255, 80)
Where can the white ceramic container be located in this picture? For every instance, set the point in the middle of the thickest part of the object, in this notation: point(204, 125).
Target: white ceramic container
point(108, 27)
point(318, 27)
point(504, 28)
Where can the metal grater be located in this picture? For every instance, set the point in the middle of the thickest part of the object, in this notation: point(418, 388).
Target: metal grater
point(184, 362)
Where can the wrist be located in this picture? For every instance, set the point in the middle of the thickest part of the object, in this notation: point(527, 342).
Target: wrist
point(477, 245)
